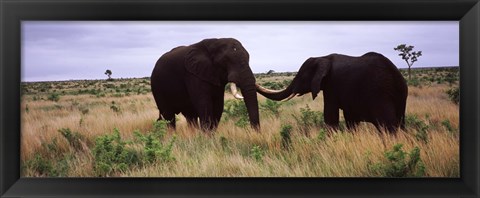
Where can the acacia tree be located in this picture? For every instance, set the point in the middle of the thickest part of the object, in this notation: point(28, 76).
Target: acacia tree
point(408, 55)
point(108, 73)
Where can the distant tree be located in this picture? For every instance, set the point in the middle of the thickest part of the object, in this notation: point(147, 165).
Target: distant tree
point(270, 72)
point(408, 55)
point(108, 73)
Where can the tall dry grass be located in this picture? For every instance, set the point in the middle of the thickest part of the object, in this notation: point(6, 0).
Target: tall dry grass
point(228, 152)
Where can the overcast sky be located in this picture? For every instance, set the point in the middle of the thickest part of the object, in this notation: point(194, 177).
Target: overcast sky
point(53, 50)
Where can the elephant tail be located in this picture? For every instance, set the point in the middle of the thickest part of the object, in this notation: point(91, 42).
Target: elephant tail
point(402, 103)
point(402, 119)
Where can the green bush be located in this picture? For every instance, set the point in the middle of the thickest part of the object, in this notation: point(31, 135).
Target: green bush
point(114, 107)
point(308, 119)
point(454, 94)
point(271, 106)
point(153, 148)
point(322, 135)
point(112, 155)
point(109, 86)
point(76, 140)
point(273, 85)
point(49, 161)
point(420, 127)
point(414, 82)
point(54, 97)
point(448, 126)
point(400, 163)
point(285, 133)
point(42, 166)
point(236, 110)
point(224, 143)
point(257, 153)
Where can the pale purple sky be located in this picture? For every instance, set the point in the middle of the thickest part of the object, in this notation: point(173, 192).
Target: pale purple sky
point(67, 50)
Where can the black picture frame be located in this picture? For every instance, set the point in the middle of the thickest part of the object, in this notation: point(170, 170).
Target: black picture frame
point(12, 12)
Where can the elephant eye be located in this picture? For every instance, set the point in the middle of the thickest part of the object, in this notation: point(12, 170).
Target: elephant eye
point(234, 49)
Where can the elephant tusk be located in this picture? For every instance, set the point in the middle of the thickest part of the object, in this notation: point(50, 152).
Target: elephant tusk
point(290, 97)
point(235, 93)
point(269, 91)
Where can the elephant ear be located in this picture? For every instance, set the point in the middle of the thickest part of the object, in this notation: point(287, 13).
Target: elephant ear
point(323, 66)
point(198, 63)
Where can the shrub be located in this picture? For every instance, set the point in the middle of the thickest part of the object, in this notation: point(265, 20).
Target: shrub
point(454, 94)
point(448, 126)
point(114, 107)
point(99, 95)
point(257, 153)
point(271, 106)
point(74, 139)
point(285, 133)
point(419, 126)
point(224, 143)
point(398, 165)
point(54, 97)
point(286, 83)
point(118, 95)
point(322, 135)
point(414, 82)
point(49, 161)
point(110, 86)
point(153, 149)
point(46, 167)
point(308, 119)
point(235, 109)
point(451, 78)
point(273, 85)
point(112, 155)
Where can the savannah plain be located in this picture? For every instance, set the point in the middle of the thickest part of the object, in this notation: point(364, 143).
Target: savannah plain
point(102, 128)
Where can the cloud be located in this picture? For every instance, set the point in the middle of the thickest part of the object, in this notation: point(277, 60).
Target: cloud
point(62, 50)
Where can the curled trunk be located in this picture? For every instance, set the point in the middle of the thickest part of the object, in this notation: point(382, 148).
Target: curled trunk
point(274, 94)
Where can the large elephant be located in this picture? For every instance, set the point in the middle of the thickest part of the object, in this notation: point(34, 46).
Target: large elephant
point(191, 80)
point(367, 88)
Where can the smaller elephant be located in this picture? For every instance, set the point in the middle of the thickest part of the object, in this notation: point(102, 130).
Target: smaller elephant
point(367, 88)
point(191, 80)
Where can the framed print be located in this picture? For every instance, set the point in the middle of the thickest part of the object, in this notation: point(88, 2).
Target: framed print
point(239, 98)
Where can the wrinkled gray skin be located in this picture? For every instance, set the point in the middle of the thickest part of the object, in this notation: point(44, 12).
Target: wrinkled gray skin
point(191, 80)
point(367, 88)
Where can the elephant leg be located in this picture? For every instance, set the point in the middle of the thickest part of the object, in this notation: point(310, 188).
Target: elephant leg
point(218, 107)
point(205, 113)
point(350, 120)
point(192, 119)
point(206, 120)
point(385, 117)
point(352, 125)
point(331, 115)
point(202, 98)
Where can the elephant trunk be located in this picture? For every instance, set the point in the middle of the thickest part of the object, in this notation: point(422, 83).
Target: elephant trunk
point(247, 88)
point(286, 93)
point(251, 102)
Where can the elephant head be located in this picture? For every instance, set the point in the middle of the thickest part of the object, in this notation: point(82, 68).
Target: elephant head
point(310, 78)
point(220, 61)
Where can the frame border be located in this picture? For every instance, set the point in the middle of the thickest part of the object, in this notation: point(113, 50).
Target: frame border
point(12, 12)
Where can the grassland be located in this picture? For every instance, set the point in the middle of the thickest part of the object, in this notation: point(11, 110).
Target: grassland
point(106, 128)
